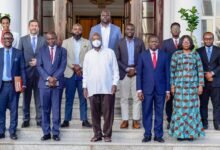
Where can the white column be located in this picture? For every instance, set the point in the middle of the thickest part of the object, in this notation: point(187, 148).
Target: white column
point(12, 7)
point(171, 8)
point(27, 13)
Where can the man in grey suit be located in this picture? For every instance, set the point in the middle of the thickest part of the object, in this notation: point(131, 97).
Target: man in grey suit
point(30, 45)
point(127, 53)
point(110, 33)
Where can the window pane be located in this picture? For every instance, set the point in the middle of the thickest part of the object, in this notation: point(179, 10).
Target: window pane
point(48, 7)
point(145, 39)
point(217, 8)
point(217, 30)
point(207, 8)
point(148, 26)
point(148, 9)
point(48, 24)
point(207, 26)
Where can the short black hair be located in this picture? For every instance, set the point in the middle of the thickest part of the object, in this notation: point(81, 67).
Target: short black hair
point(152, 36)
point(180, 45)
point(174, 24)
point(130, 24)
point(5, 17)
point(33, 20)
point(208, 33)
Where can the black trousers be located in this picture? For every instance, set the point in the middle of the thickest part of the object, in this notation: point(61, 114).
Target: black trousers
point(214, 93)
point(102, 104)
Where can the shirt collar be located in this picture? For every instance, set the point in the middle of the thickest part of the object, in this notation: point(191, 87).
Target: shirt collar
point(206, 47)
point(10, 49)
point(33, 36)
point(129, 40)
point(53, 47)
point(153, 51)
point(105, 27)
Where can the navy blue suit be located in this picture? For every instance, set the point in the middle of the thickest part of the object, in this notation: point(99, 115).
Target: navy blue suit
point(8, 96)
point(51, 97)
point(169, 47)
point(154, 83)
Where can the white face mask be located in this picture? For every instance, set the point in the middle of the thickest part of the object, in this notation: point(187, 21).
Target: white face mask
point(96, 43)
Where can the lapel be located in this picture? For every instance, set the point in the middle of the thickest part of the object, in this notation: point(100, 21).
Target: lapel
point(1, 61)
point(158, 59)
point(172, 44)
point(13, 57)
point(204, 54)
point(136, 49)
point(110, 36)
point(38, 44)
point(149, 59)
point(56, 56)
point(213, 56)
point(82, 50)
point(124, 46)
point(30, 45)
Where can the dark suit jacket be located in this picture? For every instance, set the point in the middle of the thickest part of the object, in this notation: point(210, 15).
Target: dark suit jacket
point(213, 65)
point(151, 80)
point(26, 47)
point(122, 54)
point(18, 65)
point(169, 47)
point(46, 68)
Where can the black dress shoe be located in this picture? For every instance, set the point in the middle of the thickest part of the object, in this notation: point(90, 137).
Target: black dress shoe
point(180, 139)
point(86, 124)
point(13, 136)
point(159, 139)
point(39, 124)
point(65, 124)
point(146, 139)
point(56, 138)
point(46, 137)
point(25, 124)
point(2, 136)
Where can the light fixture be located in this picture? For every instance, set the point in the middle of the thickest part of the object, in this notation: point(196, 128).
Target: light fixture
point(102, 3)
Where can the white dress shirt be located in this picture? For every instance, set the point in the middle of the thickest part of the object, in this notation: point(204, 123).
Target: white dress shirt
point(105, 35)
point(100, 71)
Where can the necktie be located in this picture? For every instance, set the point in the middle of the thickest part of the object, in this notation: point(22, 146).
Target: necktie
point(51, 54)
point(176, 43)
point(33, 43)
point(209, 53)
point(154, 59)
point(8, 64)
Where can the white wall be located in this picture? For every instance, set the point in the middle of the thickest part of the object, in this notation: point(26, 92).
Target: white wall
point(12, 7)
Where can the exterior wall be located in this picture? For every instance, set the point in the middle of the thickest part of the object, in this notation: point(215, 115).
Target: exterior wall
point(171, 8)
point(12, 7)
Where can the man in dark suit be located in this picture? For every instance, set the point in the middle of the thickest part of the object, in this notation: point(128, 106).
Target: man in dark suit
point(30, 45)
point(11, 65)
point(127, 53)
point(210, 56)
point(170, 46)
point(51, 63)
point(153, 87)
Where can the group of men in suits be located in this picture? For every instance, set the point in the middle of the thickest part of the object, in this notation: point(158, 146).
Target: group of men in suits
point(46, 68)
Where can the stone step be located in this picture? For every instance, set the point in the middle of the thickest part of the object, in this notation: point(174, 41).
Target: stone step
point(76, 139)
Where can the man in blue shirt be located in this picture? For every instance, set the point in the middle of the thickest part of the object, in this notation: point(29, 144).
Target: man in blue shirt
point(11, 65)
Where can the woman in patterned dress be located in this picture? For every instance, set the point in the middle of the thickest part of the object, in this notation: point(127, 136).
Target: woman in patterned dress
point(187, 81)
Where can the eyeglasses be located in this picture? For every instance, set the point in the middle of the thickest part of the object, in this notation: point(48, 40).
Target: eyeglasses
point(7, 38)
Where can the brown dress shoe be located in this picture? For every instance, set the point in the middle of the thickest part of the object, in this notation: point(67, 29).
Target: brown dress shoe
point(136, 124)
point(124, 124)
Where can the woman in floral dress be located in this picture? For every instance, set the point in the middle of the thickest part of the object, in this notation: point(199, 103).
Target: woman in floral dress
point(187, 81)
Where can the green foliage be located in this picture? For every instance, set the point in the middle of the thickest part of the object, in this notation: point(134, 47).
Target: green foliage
point(191, 17)
point(2, 15)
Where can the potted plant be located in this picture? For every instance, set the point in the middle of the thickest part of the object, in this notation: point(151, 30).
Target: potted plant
point(192, 19)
